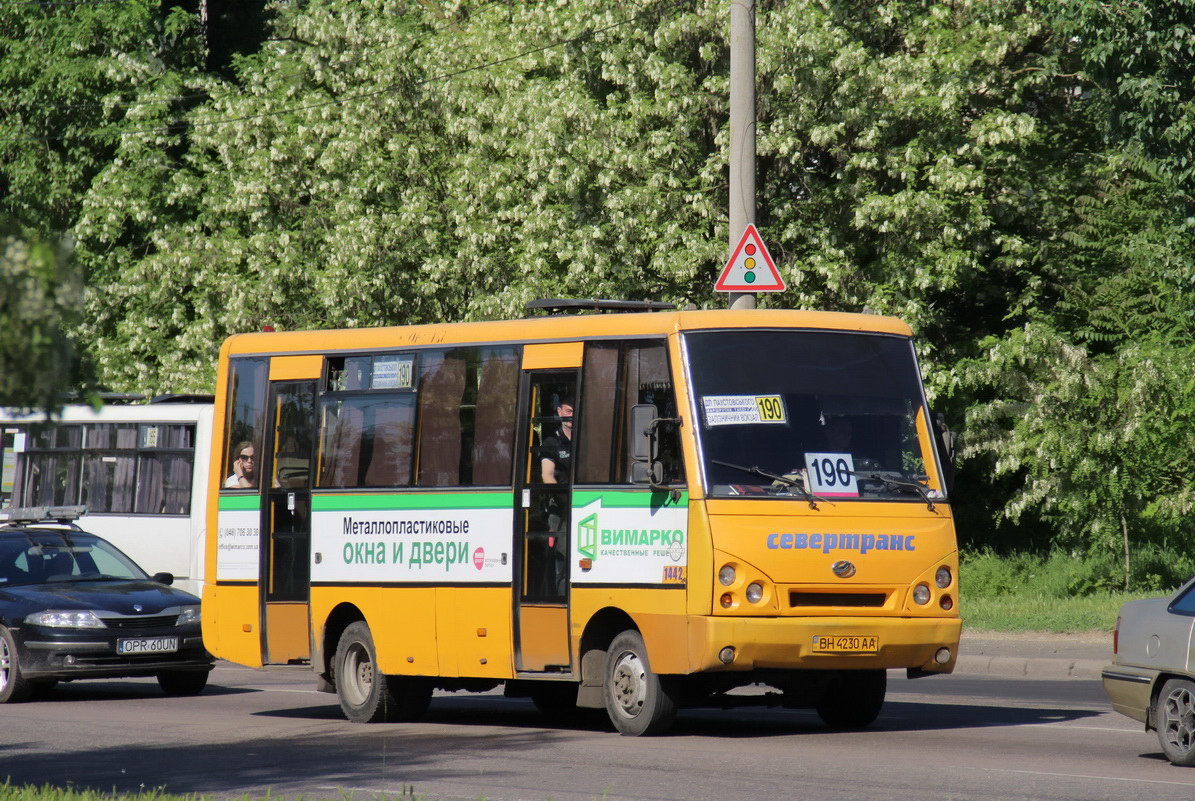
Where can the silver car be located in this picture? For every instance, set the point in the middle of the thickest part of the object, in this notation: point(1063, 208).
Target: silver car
point(1152, 675)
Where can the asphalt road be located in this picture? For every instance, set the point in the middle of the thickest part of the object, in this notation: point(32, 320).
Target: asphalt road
point(258, 732)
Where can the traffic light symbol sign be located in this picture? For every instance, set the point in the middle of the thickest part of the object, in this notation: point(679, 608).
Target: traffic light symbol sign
point(750, 268)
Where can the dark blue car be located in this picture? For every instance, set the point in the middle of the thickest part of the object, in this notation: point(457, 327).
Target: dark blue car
point(72, 606)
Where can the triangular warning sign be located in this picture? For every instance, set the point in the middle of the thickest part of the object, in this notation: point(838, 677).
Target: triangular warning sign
point(750, 268)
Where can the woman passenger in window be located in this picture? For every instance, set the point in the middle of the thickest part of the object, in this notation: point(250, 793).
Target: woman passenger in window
point(244, 468)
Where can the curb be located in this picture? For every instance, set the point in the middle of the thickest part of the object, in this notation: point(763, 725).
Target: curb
point(1036, 667)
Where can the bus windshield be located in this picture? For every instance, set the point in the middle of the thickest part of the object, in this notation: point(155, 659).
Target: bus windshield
point(810, 415)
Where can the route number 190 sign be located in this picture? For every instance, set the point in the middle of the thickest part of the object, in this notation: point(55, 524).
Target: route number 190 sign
point(831, 475)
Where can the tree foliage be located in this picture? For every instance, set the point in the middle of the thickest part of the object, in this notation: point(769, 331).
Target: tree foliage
point(41, 297)
point(1014, 179)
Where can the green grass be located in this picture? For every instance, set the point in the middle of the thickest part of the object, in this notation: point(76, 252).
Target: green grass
point(1059, 591)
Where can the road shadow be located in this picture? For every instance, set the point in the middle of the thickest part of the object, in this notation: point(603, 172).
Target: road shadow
point(466, 710)
point(896, 716)
point(354, 756)
point(108, 690)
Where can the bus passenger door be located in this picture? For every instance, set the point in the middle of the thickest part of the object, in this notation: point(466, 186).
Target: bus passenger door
point(286, 529)
point(543, 499)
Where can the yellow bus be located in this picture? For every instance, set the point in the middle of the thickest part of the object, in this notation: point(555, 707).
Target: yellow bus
point(611, 504)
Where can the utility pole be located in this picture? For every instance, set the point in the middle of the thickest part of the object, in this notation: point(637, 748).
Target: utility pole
point(742, 130)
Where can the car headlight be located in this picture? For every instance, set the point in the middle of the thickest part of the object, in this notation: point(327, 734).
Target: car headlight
point(190, 614)
point(66, 619)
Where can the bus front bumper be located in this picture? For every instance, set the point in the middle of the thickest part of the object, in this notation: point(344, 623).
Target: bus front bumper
point(798, 643)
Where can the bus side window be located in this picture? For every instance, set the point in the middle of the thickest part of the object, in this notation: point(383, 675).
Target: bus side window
point(615, 377)
point(246, 412)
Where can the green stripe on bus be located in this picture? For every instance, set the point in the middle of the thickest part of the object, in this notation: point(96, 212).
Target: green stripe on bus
point(633, 499)
point(239, 503)
point(407, 500)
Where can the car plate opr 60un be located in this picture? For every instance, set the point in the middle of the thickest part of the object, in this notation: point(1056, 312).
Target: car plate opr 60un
point(147, 645)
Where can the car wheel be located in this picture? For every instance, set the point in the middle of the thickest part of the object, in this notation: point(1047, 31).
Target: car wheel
point(637, 700)
point(853, 698)
point(13, 686)
point(1174, 714)
point(182, 682)
point(365, 694)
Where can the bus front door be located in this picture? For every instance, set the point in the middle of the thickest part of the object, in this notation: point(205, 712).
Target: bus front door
point(286, 530)
point(543, 499)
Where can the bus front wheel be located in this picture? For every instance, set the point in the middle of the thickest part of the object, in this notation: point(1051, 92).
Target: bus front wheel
point(637, 700)
point(853, 698)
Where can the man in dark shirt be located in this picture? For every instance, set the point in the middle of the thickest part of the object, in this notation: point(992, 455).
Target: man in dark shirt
point(556, 450)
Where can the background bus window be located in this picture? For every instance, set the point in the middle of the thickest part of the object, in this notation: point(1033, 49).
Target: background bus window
point(108, 482)
point(109, 469)
point(247, 400)
point(616, 376)
point(164, 484)
point(12, 442)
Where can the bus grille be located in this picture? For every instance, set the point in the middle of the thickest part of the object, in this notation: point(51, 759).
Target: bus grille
point(858, 599)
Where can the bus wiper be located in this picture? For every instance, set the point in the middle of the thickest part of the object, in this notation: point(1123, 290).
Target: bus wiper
point(888, 481)
point(756, 471)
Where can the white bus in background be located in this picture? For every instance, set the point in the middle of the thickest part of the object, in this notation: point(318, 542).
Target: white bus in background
point(140, 468)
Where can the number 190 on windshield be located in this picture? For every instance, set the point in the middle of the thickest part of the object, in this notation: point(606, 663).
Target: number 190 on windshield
point(831, 475)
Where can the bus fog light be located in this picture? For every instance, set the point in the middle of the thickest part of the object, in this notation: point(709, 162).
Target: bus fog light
point(943, 577)
point(921, 594)
point(754, 592)
point(726, 655)
point(942, 656)
point(726, 575)
point(727, 600)
point(947, 603)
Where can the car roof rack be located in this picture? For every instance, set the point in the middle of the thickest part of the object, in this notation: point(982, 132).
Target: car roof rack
point(559, 305)
point(65, 515)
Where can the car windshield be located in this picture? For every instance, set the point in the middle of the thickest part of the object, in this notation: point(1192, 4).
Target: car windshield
point(810, 414)
point(46, 556)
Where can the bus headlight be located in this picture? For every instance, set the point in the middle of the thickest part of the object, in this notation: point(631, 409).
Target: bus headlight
point(943, 578)
point(727, 600)
point(921, 594)
point(754, 592)
point(726, 575)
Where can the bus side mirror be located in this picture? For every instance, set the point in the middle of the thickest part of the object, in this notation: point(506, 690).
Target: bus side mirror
point(646, 467)
point(946, 446)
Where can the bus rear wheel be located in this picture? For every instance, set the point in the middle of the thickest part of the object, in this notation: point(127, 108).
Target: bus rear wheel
point(853, 698)
point(364, 693)
point(367, 695)
point(637, 700)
